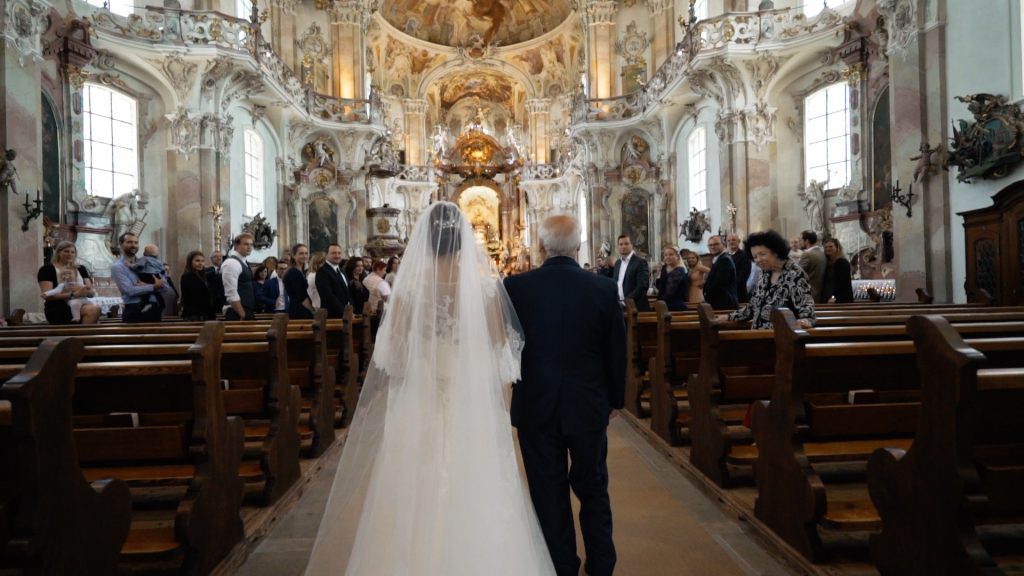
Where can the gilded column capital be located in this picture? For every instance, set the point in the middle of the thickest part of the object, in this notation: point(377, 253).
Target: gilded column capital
point(659, 6)
point(415, 106)
point(349, 12)
point(601, 13)
point(538, 105)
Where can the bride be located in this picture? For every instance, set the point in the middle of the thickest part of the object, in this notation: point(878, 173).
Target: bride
point(428, 483)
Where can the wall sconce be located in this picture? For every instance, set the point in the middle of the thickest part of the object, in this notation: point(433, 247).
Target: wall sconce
point(905, 200)
point(31, 212)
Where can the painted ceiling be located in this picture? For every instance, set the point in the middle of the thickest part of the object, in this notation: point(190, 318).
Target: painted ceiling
point(459, 22)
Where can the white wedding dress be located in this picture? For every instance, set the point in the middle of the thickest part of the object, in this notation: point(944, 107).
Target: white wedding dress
point(428, 483)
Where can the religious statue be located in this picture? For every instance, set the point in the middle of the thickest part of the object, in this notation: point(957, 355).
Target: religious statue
point(812, 198)
point(263, 234)
point(695, 226)
point(322, 156)
point(123, 215)
point(439, 139)
point(8, 173)
point(925, 166)
point(217, 211)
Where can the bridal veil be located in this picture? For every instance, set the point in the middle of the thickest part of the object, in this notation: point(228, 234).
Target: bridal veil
point(428, 482)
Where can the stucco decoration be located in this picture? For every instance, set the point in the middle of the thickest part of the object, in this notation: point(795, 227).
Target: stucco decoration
point(24, 21)
point(455, 22)
point(901, 15)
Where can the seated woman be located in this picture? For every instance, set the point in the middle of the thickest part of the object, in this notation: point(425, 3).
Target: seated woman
point(782, 284)
point(838, 283)
point(673, 283)
point(196, 298)
point(66, 287)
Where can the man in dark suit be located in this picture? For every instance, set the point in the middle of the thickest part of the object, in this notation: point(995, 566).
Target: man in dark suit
point(720, 283)
point(573, 381)
point(632, 274)
point(331, 284)
point(742, 261)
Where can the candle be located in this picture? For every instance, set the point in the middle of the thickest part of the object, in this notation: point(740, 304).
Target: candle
point(37, 194)
point(26, 201)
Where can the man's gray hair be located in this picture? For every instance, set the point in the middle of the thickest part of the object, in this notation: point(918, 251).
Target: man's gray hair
point(560, 235)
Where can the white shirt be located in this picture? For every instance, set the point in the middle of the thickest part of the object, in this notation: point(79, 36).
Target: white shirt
point(337, 269)
point(279, 304)
point(622, 273)
point(379, 289)
point(230, 270)
point(314, 294)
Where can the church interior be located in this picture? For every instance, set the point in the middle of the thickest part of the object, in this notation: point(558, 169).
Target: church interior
point(892, 126)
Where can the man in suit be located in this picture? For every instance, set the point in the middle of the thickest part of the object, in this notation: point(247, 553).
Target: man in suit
point(573, 382)
point(813, 261)
point(331, 284)
point(720, 283)
point(742, 261)
point(632, 274)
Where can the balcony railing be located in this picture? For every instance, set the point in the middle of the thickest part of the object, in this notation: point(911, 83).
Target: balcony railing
point(169, 27)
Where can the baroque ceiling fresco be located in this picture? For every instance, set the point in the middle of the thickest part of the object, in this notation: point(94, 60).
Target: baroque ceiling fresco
point(456, 22)
point(480, 84)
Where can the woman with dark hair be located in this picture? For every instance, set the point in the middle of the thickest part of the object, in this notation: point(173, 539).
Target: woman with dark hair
point(392, 270)
point(673, 283)
point(838, 283)
point(66, 288)
point(261, 275)
point(196, 298)
point(360, 294)
point(782, 283)
point(297, 287)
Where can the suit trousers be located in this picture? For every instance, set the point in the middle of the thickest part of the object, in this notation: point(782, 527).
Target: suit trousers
point(546, 456)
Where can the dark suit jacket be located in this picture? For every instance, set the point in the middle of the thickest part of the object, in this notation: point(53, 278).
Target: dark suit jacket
point(636, 282)
point(720, 284)
point(333, 292)
point(267, 295)
point(196, 300)
point(574, 362)
point(742, 261)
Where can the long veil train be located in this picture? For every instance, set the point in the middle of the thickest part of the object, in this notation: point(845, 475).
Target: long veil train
point(428, 482)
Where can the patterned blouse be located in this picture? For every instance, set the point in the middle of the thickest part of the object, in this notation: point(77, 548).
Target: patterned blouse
point(792, 291)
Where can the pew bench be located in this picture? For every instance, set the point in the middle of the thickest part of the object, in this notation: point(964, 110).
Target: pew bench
point(965, 468)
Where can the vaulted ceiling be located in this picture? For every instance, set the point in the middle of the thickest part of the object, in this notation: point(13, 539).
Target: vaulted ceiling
point(456, 22)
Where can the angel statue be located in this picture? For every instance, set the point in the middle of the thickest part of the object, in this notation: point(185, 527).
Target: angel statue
point(695, 226)
point(8, 173)
point(812, 198)
point(925, 166)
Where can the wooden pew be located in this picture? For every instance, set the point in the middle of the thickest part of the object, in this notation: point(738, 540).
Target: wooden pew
point(52, 521)
point(809, 423)
point(965, 466)
point(184, 438)
point(676, 356)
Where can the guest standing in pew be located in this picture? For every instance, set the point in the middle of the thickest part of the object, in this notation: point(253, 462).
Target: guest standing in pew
point(673, 283)
point(136, 294)
point(379, 288)
point(296, 286)
point(215, 281)
point(696, 271)
point(720, 283)
point(261, 276)
point(783, 284)
point(428, 483)
point(744, 267)
point(66, 288)
point(316, 261)
point(196, 300)
point(632, 274)
point(239, 283)
point(573, 382)
point(392, 272)
point(332, 285)
point(171, 296)
point(356, 289)
point(813, 262)
point(838, 283)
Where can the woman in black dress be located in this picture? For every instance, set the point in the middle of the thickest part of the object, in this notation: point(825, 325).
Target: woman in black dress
point(673, 283)
point(297, 287)
point(838, 282)
point(69, 304)
point(196, 298)
point(358, 292)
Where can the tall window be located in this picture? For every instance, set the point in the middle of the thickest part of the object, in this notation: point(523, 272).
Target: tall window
point(110, 128)
point(253, 173)
point(697, 167)
point(700, 9)
point(827, 136)
point(243, 9)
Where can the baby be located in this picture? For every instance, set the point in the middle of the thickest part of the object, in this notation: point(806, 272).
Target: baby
point(148, 270)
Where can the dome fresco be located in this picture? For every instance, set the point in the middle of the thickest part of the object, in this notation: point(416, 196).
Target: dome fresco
point(458, 22)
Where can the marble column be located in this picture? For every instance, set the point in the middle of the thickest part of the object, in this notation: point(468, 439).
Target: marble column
point(539, 111)
point(600, 18)
point(282, 32)
point(416, 153)
point(663, 25)
point(747, 152)
point(348, 21)
point(21, 252)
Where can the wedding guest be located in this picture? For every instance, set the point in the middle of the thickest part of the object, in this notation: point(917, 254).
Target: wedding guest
point(744, 266)
point(137, 296)
point(356, 289)
point(720, 283)
point(838, 283)
point(261, 276)
point(783, 284)
point(331, 284)
point(270, 263)
point(367, 265)
point(377, 285)
point(66, 288)
point(697, 271)
point(812, 260)
point(318, 259)
point(632, 274)
point(392, 271)
point(215, 281)
point(196, 300)
point(296, 286)
point(239, 286)
point(673, 284)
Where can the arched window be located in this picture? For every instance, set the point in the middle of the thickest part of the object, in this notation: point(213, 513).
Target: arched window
point(697, 167)
point(111, 140)
point(253, 174)
point(700, 9)
point(827, 136)
point(243, 9)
